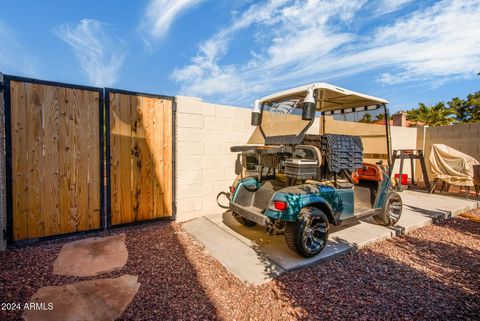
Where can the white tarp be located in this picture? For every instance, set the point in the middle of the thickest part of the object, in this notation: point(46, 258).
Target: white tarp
point(452, 166)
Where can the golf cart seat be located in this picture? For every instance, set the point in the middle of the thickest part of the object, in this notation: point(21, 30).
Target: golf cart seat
point(309, 152)
point(369, 172)
point(305, 162)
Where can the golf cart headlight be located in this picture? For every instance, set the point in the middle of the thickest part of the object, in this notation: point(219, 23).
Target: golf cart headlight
point(256, 114)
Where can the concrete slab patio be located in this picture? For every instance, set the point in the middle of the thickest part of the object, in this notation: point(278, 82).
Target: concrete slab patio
point(256, 258)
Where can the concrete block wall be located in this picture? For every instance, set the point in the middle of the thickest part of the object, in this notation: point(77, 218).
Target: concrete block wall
point(206, 131)
point(462, 137)
point(204, 164)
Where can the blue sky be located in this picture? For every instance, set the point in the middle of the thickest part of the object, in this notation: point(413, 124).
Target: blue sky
point(232, 51)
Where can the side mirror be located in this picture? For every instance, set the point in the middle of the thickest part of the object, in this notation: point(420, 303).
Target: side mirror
point(256, 114)
point(309, 108)
point(308, 112)
point(256, 119)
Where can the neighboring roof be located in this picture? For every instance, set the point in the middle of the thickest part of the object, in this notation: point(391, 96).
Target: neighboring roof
point(334, 98)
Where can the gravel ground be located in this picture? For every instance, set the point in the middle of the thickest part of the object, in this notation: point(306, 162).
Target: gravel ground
point(433, 273)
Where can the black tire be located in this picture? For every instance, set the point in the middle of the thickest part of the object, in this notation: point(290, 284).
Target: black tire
point(310, 221)
point(391, 210)
point(244, 221)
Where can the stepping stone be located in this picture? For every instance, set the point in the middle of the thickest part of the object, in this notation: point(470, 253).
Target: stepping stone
point(91, 257)
point(96, 300)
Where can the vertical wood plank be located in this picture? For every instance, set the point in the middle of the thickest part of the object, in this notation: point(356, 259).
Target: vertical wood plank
point(36, 223)
point(67, 159)
point(125, 192)
point(74, 101)
point(136, 150)
point(50, 201)
point(18, 94)
point(146, 169)
point(158, 207)
point(168, 158)
point(82, 158)
point(115, 141)
point(93, 181)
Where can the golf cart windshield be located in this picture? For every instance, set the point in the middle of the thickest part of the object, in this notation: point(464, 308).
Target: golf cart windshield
point(283, 118)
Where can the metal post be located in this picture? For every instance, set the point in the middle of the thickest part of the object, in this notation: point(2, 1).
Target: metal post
point(411, 169)
point(402, 159)
point(3, 196)
point(389, 143)
point(426, 180)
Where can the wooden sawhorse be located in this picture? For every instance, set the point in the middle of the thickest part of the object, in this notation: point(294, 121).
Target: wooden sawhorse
point(411, 154)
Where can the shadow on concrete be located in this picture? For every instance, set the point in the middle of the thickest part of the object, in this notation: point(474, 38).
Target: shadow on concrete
point(273, 248)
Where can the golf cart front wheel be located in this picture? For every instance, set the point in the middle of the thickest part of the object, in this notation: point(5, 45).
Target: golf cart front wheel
point(308, 235)
point(391, 210)
point(242, 220)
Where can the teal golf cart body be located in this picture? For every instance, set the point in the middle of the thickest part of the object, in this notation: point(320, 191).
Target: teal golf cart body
point(300, 184)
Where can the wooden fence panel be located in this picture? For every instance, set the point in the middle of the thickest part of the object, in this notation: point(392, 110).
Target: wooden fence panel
point(55, 137)
point(141, 145)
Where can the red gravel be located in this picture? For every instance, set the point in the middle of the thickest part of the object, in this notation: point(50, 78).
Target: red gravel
point(433, 273)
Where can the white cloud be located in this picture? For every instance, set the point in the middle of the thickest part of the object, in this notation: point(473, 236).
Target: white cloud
point(295, 32)
point(100, 55)
point(14, 56)
point(312, 41)
point(161, 14)
point(388, 6)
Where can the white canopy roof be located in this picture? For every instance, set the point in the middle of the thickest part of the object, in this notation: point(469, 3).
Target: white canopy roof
point(330, 97)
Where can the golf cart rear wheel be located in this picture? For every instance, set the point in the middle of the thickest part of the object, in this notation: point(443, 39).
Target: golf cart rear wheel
point(308, 235)
point(391, 211)
point(242, 220)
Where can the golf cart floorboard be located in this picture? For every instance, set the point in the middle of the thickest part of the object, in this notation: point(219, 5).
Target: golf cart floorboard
point(357, 216)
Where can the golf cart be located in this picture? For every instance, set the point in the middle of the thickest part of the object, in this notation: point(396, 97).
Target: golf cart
point(297, 183)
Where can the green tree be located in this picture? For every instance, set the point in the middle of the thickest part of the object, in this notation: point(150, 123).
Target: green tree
point(382, 117)
point(436, 115)
point(466, 111)
point(367, 118)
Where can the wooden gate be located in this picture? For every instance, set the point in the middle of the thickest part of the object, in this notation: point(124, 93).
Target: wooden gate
point(140, 154)
point(54, 152)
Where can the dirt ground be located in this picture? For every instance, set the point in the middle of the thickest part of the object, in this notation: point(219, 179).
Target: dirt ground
point(433, 273)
